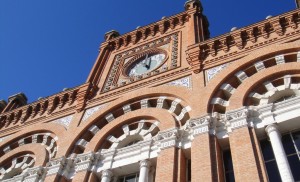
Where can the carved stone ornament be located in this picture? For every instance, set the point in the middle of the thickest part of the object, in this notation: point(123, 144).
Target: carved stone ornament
point(89, 112)
point(182, 82)
point(84, 161)
point(199, 125)
point(212, 72)
point(236, 119)
point(168, 138)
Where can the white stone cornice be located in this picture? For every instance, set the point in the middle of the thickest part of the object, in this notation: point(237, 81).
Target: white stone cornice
point(266, 114)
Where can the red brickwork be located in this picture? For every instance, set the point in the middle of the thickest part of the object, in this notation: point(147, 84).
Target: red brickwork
point(166, 166)
point(201, 159)
point(243, 157)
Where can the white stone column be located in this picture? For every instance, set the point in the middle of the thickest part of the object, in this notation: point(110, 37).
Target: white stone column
point(144, 171)
point(106, 176)
point(279, 153)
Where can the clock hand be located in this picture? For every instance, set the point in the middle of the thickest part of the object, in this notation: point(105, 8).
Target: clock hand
point(149, 65)
point(145, 61)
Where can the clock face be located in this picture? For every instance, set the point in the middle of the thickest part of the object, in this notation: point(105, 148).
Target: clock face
point(146, 64)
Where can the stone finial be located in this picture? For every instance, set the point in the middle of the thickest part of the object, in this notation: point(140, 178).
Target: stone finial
point(111, 34)
point(189, 4)
point(20, 98)
point(268, 17)
point(233, 29)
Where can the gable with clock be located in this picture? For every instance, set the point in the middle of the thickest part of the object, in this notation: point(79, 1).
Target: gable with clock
point(152, 55)
point(143, 61)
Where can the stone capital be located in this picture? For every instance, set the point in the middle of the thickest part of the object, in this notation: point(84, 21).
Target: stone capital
point(145, 163)
point(107, 173)
point(272, 127)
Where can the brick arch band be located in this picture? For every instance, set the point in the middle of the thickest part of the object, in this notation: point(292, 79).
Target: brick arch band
point(267, 83)
point(148, 106)
point(245, 71)
point(23, 150)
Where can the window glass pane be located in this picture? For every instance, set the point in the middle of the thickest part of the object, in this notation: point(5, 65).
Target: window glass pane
point(228, 167)
point(295, 166)
point(230, 177)
point(296, 137)
point(131, 178)
point(267, 150)
point(288, 144)
point(189, 171)
point(273, 172)
point(227, 160)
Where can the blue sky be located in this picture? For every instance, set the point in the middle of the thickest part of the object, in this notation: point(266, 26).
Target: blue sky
point(48, 45)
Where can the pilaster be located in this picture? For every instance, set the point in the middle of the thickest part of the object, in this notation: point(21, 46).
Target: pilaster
point(241, 145)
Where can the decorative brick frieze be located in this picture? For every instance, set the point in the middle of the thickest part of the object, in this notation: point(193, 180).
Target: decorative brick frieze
point(215, 50)
point(39, 109)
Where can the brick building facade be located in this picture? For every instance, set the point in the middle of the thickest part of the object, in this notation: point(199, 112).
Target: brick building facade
point(167, 103)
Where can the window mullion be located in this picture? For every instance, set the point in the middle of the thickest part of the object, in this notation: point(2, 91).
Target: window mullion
point(295, 146)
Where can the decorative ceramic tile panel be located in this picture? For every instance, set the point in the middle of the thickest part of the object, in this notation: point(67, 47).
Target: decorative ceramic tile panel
point(91, 111)
point(214, 71)
point(182, 82)
point(65, 121)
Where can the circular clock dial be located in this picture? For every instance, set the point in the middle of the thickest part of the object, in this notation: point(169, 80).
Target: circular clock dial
point(146, 64)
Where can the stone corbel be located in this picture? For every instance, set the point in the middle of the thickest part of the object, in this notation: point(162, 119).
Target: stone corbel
point(193, 58)
point(35, 174)
point(85, 91)
point(237, 37)
point(275, 22)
